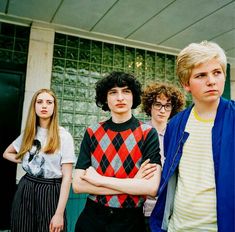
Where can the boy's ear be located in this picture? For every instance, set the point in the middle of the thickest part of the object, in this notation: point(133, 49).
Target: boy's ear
point(187, 88)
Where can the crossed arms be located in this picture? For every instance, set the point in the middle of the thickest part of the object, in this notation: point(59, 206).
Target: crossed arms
point(145, 182)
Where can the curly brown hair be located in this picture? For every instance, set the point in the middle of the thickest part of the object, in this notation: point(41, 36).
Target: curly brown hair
point(152, 91)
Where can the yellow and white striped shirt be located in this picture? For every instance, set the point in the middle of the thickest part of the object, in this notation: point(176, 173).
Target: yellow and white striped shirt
point(195, 198)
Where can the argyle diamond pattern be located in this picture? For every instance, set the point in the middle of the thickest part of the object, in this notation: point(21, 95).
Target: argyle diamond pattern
point(118, 154)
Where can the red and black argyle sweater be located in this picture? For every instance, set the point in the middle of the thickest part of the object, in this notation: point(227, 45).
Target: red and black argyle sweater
point(117, 150)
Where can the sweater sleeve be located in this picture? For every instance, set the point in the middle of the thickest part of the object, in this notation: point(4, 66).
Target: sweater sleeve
point(151, 147)
point(84, 158)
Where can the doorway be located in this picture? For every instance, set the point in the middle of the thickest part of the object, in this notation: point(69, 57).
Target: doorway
point(12, 83)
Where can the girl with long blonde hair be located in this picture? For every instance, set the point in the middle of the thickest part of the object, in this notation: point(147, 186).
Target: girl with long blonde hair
point(46, 152)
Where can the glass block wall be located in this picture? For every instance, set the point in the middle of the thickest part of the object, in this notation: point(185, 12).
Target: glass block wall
point(78, 63)
point(14, 42)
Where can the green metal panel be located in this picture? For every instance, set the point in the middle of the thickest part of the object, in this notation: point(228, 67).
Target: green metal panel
point(74, 207)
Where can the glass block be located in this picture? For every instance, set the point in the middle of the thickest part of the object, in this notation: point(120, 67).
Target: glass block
point(129, 59)
point(103, 118)
point(84, 56)
point(140, 59)
point(92, 107)
point(170, 78)
point(80, 119)
point(96, 47)
point(60, 39)
point(83, 68)
point(59, 51)
point(21, 45)
point(7, 29)
point(68, 127)
point(72, 41)
point(140, 78)
point(92, 94)
point(58, 89)
point(59, 101)
point(96, 58)
point(118, 56)
point(150, 63)
point(170, 65)
point(106, 69)
point(57, 75)
point(108, 54)
point(69, 92)
point(94, 77)
point(7, 43)
point(82, 93)
point(95, 70)
point(149, 79)
point(79, 131)
point(68, 105)
point(70, 77)
point(58, 64)
point(5, 55)
point(20, 58)
point(107, 59)
point(22, 32)
point(85, 44)
point(82, 81)
point(150, 58)
point(160, 65)
point(81, 106)
point(72, 53)
point(91, 119)
point(77, 144)
point(66, 118)
point(71, 64)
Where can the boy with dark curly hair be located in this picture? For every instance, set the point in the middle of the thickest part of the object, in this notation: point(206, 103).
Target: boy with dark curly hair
point(160, 101)
point(119, 161)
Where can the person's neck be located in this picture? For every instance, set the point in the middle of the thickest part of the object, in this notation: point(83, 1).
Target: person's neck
point(160, 127)
point(44, 123)
point(121, 118)
point(206, 111)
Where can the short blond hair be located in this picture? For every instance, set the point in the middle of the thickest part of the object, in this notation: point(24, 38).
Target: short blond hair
point(195, 54)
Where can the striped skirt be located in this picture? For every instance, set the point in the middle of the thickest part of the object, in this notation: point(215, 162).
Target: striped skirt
point(34, 204)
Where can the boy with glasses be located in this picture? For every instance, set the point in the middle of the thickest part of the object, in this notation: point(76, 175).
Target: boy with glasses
point(160, 101)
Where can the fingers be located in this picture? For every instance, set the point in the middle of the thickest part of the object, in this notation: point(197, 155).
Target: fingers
point(56, 229)
point(145, 162)
point(148, 173)
point(148, 166)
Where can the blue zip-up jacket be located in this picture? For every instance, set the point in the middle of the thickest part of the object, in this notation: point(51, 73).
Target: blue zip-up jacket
point(223, 147)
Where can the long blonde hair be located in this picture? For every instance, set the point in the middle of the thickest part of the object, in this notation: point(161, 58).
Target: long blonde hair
point(53, 137)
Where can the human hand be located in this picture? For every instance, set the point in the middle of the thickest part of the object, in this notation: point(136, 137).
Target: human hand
point(92, 176)
point(146, 170)
point(57, 223)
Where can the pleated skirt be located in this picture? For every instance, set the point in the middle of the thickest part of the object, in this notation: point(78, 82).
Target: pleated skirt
point(34, 204)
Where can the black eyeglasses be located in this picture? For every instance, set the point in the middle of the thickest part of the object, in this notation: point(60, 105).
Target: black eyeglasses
point(158, 106)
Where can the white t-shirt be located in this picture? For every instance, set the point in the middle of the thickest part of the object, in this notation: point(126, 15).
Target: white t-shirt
point(151, 201)
point(37, 163)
